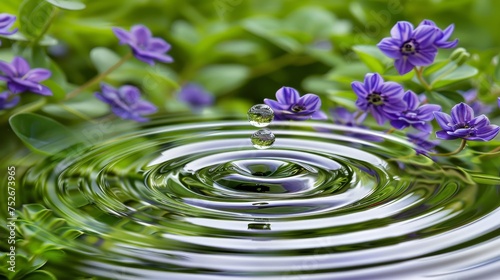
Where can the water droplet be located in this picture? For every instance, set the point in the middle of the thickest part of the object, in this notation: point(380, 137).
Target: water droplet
point(263, 139)
point(260, 115)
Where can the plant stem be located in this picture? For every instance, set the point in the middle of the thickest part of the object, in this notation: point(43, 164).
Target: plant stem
point(491, 153)
point(462, 146)
point(391, 130)
point(419, 72)
point(99, 77)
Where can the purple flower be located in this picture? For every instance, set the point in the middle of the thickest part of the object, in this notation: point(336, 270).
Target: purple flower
point(144, 47)
point(382, 99)
point(126, 102)
point(479, 107)
point(462, 124)
point(422, 143)
point(410, 47)
point(415, 116)
point(195, 96)
point(21, 78)
point(343, 117)
point(441, 40)
point(290, 106)
point(498, 101)
point(7, 102)
point(6, 22)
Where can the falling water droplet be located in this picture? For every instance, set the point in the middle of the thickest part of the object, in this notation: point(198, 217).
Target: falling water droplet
point(263, 139)
point(260, 115)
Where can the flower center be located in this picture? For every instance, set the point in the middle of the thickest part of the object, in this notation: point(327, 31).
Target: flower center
point(298, 108)
point(375, 99)
point(463, 125)
point(409, 47)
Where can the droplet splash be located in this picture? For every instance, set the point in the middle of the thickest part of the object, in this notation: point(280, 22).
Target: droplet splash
point(263, 139)
point(260, 115)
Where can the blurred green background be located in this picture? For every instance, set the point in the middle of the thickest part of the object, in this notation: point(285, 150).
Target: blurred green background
point(240, 50)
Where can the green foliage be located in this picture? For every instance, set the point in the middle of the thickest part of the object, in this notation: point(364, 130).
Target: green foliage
point(372, 57)
point(41, 134)
point(67, 5)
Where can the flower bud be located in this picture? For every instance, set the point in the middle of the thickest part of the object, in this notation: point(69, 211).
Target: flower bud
point(460, 56)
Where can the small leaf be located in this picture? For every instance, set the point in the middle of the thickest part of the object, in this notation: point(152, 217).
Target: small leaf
point(220, 79)
point(314, 22)
point(185, 33)
point(318, 84)
point(446, 100)
point(70, 234)
point(41, 134)
point(40, 275)
point(436, 66)
point(272, 30)
point(34, 15)
point(372, 57)
point(343, 98)
point(103, 58)
point(67, 5)
point(452, 74)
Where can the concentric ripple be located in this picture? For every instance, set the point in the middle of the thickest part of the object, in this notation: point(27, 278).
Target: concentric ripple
point(195, 200)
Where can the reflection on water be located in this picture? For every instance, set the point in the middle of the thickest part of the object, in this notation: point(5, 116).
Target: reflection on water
point(198, 201)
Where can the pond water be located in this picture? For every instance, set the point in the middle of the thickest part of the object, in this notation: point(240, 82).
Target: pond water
point(193, 199)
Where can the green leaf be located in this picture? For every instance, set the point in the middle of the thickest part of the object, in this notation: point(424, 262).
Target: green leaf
point(185, 33)
point(34, 16)
point(103, 58)
point(41, 134)
point(35, 55)
point(451, 74)
point(436, 66)
point(58, 93)
point(238, 48)
point(32, 211)
point(313, 22)
point(272, 30)
point(392, 74)
point(446, 99)
point(318, 84)
point(372, 57)
point(220, 79)
point(343, 98)
point(67, 5)
point(40, 275)
point(87, 107)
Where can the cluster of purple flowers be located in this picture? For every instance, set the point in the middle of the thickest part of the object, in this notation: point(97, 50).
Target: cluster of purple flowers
point(411, 47)
point(388, 101)
point(126, 102)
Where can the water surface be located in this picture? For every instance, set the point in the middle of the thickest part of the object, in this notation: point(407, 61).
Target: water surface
point(193, 199)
